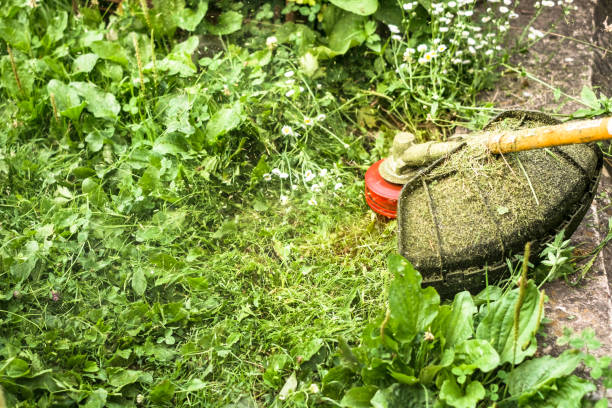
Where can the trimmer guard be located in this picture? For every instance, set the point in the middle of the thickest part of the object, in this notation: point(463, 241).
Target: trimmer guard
point(459, 219)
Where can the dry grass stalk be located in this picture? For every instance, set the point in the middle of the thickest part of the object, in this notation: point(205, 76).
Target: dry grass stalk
point(14, 66)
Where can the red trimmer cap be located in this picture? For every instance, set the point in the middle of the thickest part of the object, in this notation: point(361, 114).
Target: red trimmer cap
point(381, 195)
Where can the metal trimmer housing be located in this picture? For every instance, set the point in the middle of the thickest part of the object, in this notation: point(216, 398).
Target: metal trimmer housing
point(459, 219)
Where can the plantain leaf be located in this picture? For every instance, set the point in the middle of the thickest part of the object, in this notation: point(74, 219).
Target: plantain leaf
point(497, 326)
point(361, 7)
point(412, 308)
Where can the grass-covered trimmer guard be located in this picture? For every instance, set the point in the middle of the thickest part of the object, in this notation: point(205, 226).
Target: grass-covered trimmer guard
point(464, 213)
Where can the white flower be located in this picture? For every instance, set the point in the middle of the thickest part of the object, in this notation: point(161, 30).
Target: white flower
point(443, 29)
point(422, 48)
point(315, 188)
point(452, 4)
point(466, 61)
point(276, 172)
point(289, 74)
point(396, 37)
point(503, 28)
point(301, 89)
point(548, 3)
point(536, 4)
point(488, 53)
point(507, 2)
point(308, 121)
point(504, 9)
point(408, 52)
point(312, 201)
point(513, 15)
point(271, 42)
point(407, 6)
point(321, 117)
point(422, 60)
point(283, 175)
point(338, 186)
point(428, 336)
point(436, 41)
point(319, 86)
point(284, 199)
point(267, 177)
point(394, 29)
point(314, 388)
point(429, 56)
point(294, 187)
point(485, 19)
point(459, 53)
point(472, 50)
point(465, 34)
point(139, 399)
point(290, 81)
point(308, 176)
point(323, 172)
point(471, 41)
point(286, 130)
point(289, 93)
point(468, 13)
point(441, 48)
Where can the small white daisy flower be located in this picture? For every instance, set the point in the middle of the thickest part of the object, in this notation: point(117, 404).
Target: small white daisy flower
point(276, 172)
point(312, 201)
point(488, 53)
point(267, 177)
point(396, 37)
point(284, 199)
point(504, 9)
point(308, 176)
point(314, 388)
point(394, 29)
point(283, 175)
point(290, 82)
point(323, 172)
point(471, 41)
point(271, 42)
point(338, 186)
point(485, 19)
point(308, 121)
point(286, 130)
point(548, 3)
point(441, 48)
point(321, 117)
point(315, 188)
point(452, 4)
point(290, 93)
point(443, 29)
point(289, 74)
point(422, 48)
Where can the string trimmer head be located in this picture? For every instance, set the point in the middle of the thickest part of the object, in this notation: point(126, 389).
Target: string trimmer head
point(463, 213)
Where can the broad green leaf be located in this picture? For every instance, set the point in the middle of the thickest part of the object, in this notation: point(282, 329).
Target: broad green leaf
point(56, 28)
point(309, 64)
point(476, 353)
point(139, 282)
point(589, 98)
point(179, 60)
point(358, 397)
point(458, 325)
point(15, 368)
point(289, 387)
point(227, 23)
point(176, 114)
point(112, 51)
point(101, 104)
point(150, 179)
point(497, 325)
point(454, 396)
point(195, 384)
point(224, 120)
point(66, 98)
point(162, 393)
point(15, 31)
point(402, 396)
point(361, 7)
point(412, 308)
point(163, 15)
point(567, 393)
point(527, 379)
point(85, 63)
point(188, 19)
point(97, 399)
point(345, 30)
point(171, 144)
point(120, 377)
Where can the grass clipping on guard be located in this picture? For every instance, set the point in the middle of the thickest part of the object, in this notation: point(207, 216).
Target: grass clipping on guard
point(475, 208)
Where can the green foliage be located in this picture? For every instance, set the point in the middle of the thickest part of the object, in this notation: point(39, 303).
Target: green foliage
point(439, 356)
